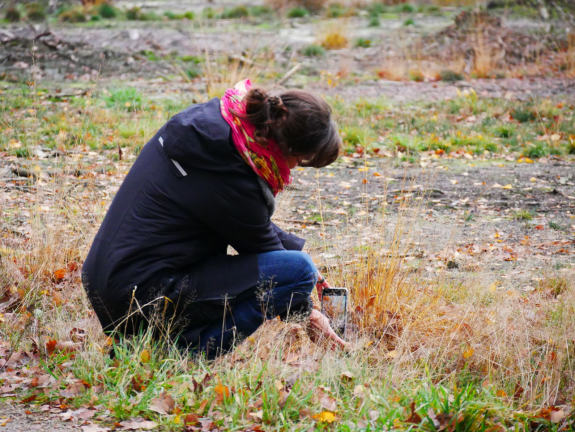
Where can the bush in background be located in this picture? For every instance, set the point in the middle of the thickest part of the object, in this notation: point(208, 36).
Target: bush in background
point(240, 11)
point(313, 6)
point(35, 12)
point(335, 39)
point(107, 11)
point(297, 12)
point(313, 50)
point(12, 15)
point(73, 16)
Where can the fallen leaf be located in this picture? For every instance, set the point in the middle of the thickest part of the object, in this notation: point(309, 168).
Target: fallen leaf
point(414, 417)
point(257, 416)
point(164, 404)
point(222, 392)
point(359, 391)
point(347, 376)
point(325, 417)
point(468, 353)
point(138, 424)
point(191, 419)
point(328, 402)
point(51, 346)
point(59, 274)
point(94, 428)
point(507, 186)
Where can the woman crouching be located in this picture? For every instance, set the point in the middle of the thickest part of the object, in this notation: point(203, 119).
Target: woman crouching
point(206, 180)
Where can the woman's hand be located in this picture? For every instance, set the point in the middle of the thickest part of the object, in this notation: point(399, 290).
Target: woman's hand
point(319, 326)
point(320, 285)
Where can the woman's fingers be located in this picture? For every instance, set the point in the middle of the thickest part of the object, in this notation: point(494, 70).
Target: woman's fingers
point(320, 323)
point(320, 285)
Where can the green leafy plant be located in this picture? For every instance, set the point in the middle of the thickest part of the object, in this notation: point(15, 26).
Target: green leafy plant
point(313, 50)
point(523, 115)
point(335, 10)
point(523, 214)
point(408, 22)
point(374, 20)
point(297, 12)
point(363, 43)
point(407, 8)
point(127, 98)
point(73, 16)
point(12, 15)
point(240, 11)
point(258, 11)
point(35, 12)
point(449, 75)
point(107, 11)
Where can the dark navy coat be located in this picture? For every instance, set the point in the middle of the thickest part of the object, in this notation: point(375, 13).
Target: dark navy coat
point(187, 197)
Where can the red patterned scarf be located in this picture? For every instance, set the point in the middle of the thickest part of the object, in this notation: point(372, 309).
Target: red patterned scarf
point(266, 160)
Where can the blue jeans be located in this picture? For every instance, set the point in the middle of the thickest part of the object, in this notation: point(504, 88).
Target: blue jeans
point(285, 283)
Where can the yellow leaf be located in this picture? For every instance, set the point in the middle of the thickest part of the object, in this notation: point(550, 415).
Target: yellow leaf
point(501, 393)
point(222, 389)
point(493, 287)
point(527, 160)
point(508, 186)
point(127, 104)
point(363, 169)
point(325, 417)
point(468, 353)
point(532, 179)
point(376, 174)
point(37, 168)
point(391, 354)
point(177, 419)
point(145, 356)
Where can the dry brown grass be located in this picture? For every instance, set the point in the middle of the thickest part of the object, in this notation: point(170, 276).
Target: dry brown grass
point(224, 72)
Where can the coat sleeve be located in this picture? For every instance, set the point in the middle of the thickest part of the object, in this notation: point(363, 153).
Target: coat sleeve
point(289, 241)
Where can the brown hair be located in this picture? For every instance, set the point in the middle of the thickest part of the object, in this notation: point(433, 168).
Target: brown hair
point(299, 121)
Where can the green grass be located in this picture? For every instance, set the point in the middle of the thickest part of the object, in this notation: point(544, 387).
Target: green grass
point(363, 43)
point(297, 12)
point(525, 215)
point(313, 50)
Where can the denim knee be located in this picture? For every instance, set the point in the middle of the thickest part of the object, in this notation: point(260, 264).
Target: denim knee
point(308, 272)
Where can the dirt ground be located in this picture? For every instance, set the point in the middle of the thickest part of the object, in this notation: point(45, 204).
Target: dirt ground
point(465, 211)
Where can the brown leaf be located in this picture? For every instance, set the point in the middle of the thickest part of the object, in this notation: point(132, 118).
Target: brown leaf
point(359, 391)
point(283, 398)
point(138, 383)
point(59, 274)
point(414, 417)
point(94, 428)
point(191, 419)
point(138, 424)
point(347, 376)
point(256, 416)
point(51, 346)
point(29, 399)
point(207, 424)
point(328, 402)
point(73, 390)
point(202, 407)
point(164, 404)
